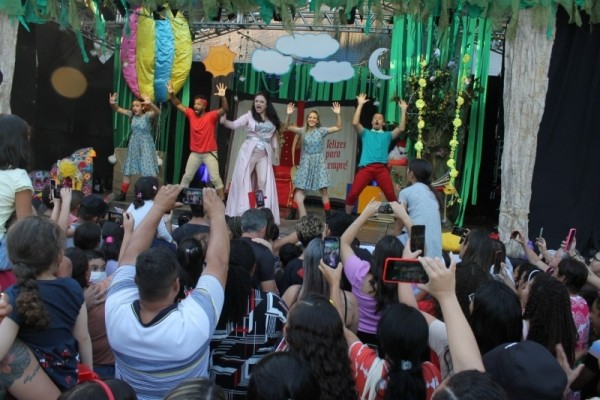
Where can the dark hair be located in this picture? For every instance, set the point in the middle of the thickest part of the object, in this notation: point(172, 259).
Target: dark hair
point(191, 259)
point(403, 335)
point(235, 227)
point(253, 220)
point(145, 189)
point(338, 222)
point(309, 227)
point(478, 249)
point(196, 389)
point(272, 230)
point(197, 210)
point(115, 232)
point(548, 310)
point(15, 151)
point(201, 97)
point(79, 261)
point(385, 293)
point(76, 199)
point(184, 218)
point(34, 245)
point(575, 273)
point(87, 236)
point(471, 385)
point(283, 375)
point(269, 111)
point(239, 282)
point(522, 270)
point(496, 316)
point(468, 278)
point(313, 282)
point(92, 390)
point(423, 171)
point(155, 271)
point(288, 252)
point(316, 334)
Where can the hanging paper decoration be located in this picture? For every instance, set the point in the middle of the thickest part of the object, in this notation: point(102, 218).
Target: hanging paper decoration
point(156, 51)
point(219, 61)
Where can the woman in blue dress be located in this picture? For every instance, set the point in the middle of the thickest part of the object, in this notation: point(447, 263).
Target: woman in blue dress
point(312, 171)
point(141, 151)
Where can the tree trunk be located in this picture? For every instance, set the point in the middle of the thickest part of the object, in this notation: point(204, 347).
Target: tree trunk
point(9, 26)
point(527, 59)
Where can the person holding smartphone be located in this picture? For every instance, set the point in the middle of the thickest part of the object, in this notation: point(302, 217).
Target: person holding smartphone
point(423, 205)
point(312, 171)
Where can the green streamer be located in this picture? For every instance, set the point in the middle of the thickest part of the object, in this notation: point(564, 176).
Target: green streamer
point(180, 133)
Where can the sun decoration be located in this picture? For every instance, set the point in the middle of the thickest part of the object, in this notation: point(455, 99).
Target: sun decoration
point(219, 61)
point(421, 107)
point(450, 188)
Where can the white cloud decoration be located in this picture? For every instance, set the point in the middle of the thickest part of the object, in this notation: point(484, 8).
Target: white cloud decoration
point(271, 62)
point(332, 71)
point(308, 45)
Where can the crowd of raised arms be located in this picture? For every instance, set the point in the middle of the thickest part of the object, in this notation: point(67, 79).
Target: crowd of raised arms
point(222, 306)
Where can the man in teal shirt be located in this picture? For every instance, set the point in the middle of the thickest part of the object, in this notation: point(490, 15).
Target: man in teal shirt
point(374, 156)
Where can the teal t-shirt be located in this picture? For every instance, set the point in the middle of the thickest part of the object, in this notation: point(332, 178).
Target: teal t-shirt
point(375, 146)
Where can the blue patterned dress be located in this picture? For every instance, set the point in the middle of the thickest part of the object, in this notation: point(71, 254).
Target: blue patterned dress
point(141, 152)
point(312, 171)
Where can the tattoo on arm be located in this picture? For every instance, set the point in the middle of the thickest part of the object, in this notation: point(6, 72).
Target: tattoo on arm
point(14, 365)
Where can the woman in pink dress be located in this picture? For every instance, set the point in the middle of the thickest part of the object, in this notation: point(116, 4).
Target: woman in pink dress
point(254, 165)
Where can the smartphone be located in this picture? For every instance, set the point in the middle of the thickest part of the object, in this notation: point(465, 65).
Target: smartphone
point(417, 238)
point(498, 259)
point(331, 251)
point(514, 234)
point(404, 270)
point(116, 217)
point(570, 238)
point(385, 209)
point(458, 231)
point(192, 196)
point(55, 189)
point(260, 198)
point(541, 232)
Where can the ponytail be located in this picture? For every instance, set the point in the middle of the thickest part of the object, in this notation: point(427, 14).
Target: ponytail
point(405, 381)
point(29, 302)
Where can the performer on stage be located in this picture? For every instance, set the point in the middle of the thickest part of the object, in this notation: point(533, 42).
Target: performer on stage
point(312, 172)
point(374, 155)
point(203, 142)
point(257, 155)
point(141, 151)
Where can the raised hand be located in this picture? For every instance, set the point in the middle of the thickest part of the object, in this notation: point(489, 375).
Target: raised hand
point(442, 280)
point(213, 205)
point(372, 208)
point(221, 90)
point(146, 99)
point(291, 108)
point(170, 88)
point(128, 222)
point(112, 98)
point(403, 105)
point(362, 99)
point(337, 109)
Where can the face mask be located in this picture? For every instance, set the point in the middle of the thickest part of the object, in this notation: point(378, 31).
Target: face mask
point(97, 276)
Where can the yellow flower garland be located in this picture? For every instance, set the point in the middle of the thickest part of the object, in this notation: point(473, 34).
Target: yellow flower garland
point(421, 106)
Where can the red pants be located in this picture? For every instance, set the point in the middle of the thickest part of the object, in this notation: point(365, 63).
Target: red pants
point(377, 172)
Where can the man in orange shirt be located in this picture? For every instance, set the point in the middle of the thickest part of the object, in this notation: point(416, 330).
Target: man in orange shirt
point(203, 142)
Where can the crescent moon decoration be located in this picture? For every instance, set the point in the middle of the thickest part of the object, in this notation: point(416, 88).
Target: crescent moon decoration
point(373, 64)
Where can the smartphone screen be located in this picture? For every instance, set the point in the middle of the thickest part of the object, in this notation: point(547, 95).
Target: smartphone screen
point(498, 259)
point(417, 238)
point(260, 198)
point(54, 188)
point(331, 251)
point(570, 238)
point(404, 270)
point(115, 217)
point(385, 209)
point(192, 196)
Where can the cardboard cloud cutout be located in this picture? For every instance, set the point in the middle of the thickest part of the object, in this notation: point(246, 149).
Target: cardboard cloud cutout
point(271, 62)
point(332, 71)
point(307, 45)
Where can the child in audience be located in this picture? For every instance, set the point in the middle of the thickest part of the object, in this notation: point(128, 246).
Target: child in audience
point(88, 236)
point(112, 238)
point(48, 313)
point(96, 265)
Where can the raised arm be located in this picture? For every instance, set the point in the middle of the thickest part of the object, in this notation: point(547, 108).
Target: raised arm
point(174, 100)
point(461, 340)
point(403, 219)
point(400, 128)
point(337, 110)
point(238, 123)
point(217, 251)
point(530, 254)
point(221, 92)
point(153, 108)
point(65, 209)
point(361, 99)
point(350, 234)
point(288, 124)
point(112, 100)
point(142, 237)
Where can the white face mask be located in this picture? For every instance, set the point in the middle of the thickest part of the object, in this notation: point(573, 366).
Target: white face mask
point(97, 276)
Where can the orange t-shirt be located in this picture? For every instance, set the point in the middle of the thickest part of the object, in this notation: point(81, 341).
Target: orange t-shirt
point(202, 130)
